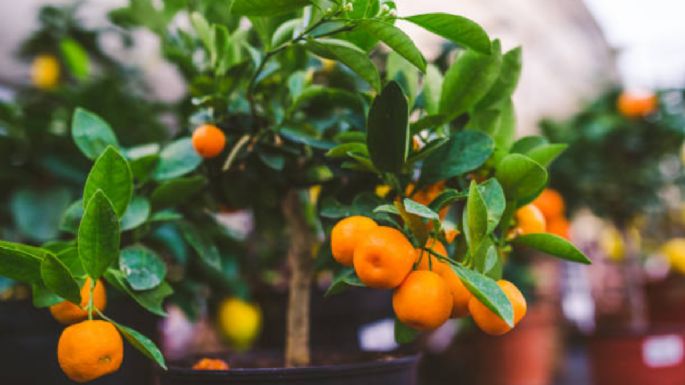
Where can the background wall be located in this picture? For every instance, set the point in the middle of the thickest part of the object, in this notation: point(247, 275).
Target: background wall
point(563, 65)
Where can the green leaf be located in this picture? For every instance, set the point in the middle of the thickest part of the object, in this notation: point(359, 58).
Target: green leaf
point(476, 215)
point(166, 216)
point(58, 279)
point(112, 175)
point(136, 214)
point(177, 159)
point(37, 211)
point(142, 267)
point(176, 191)
point(71, 260)
point(487, 291)
point(341, 150)
point(404, 334)
point(520, 176)
point(151, 300)
point(399, 69)
point(142, 167)
point(345, 279)
point(553, 245)
point(91, 134)
point(75, 57)
point(506, 82)
point(464, 152)
point(432, 88)
point(72, 217)
point(387, 137)
point(267, 7)
point(388, 208)
point(427, 150)
point(394, 38)
point(142, 344)
point(350, 55)
point(447, 197)
point(468, 80)
point(331, 208)
point(43, 297)
point(538, 149)
point(18, 264)
point(202, 244)
point(316, 96)
point(458, 29)
point(204, 31)
point(416, 208)
point(98, 236)
point(495, 202)
point(528, 143)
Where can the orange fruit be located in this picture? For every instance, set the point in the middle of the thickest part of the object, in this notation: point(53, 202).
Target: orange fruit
point(211, 364)
point(89, 350)
point(208, 140)
point(560, 227)
point(45, 72)
point(67, 313)
point(423, 301)
point(427, 194)
point(460, 294)
point(636, 104)
point(383, 258)
point(551, 203)
point(491, 323)
point(347, 234)
point(530, 220)
point(450, 235)
point(427, 261)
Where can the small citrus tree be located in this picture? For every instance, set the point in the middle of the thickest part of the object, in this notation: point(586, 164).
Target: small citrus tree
point(412, 154)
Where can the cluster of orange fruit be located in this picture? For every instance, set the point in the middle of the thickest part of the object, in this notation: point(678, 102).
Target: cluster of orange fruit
point(87, 349)
point(427, 292)
point(545, 214)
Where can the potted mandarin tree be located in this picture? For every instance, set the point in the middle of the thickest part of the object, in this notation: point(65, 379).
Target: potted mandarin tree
point(273, 147)
point(623, 155)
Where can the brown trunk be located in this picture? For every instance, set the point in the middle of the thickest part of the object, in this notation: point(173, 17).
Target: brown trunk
point(300, 263)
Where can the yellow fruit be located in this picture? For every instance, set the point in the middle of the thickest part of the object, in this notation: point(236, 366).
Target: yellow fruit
point(347, 234)
point(611, 243)
point(423, 301)
point(674, 250)
point(45, 72)
point(67, 313)
point(240, 321)
point(89, 350)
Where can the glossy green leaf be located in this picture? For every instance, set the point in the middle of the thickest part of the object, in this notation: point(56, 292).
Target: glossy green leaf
point(506, 82)
point(176, 191)
point(91, 134)
point(75, 58)
point(136, 213)
point(447, 197)
point(487, 291)
point(404, 334)
point(98, 236)
point(476, 215)
point(468, 80)
point(142, 267)
point(520, 176)
point(152, 300)
point(18, 264)
point(266, 7)
point(396, 39)
point(58, 279)
point(177, 159)
point(112, 175)
point(495, 202)
point(416, 208)
point(458, 29)
point(341, 150)
point(142, 344)
point(71, 218)
point(387, 137)
point(427, 150)
point(464, 152)
point(350, 55)
point(71, 260)
point(553, 245)
point(203, 245)
point(42, 296)
point(345, 279)
point(432, 88)
point(37, 212)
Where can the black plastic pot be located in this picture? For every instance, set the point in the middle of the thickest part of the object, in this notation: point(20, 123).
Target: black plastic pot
point(28, 346)
point(382, 370)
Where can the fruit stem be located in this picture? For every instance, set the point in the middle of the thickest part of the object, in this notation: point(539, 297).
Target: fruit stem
point(301, 265)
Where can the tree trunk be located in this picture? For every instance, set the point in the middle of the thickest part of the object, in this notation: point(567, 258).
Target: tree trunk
point(300, 263)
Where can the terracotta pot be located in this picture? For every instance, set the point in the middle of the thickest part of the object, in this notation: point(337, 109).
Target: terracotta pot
point(528, 355)
point(376, 370)
point(666, 300)
point(654, 357)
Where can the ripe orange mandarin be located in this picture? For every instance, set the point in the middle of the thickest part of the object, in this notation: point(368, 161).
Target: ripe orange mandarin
point(460, 294)
point(551, 203)
point(66, 312)
point(89, 350)
point(347, 234)
point(211, 364)
point(636, 104)
point(491, 323)
point(208, 140)
point(530, 220)
point(383, 258)
point(427, 194)
point(560, 227)
point(423, 301)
